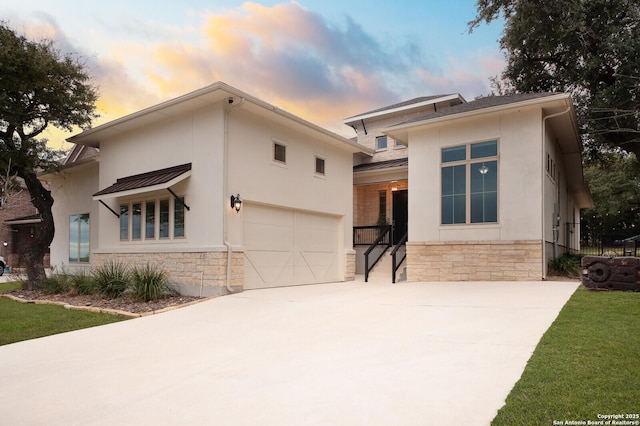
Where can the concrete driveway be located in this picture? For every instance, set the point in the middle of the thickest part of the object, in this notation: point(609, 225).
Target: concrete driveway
point(330, 354)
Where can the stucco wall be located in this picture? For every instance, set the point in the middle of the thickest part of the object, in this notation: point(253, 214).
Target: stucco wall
point(196, 138)
point(258, 179)
point(519, 183)
point(72, 192)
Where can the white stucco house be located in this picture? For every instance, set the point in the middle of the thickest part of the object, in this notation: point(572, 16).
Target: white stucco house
point(486, 190)
point(156, 186)
point(228, 192)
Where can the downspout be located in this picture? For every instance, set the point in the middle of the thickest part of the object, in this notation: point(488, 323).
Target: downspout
point(225, 185)
point(542, 181)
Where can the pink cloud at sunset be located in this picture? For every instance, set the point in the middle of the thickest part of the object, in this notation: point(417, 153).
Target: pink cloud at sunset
point(285, 54)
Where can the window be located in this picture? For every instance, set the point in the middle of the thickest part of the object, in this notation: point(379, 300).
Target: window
point(279, 153)
point(469, 192)
point(381, 143)
point(79, 238)
point(382, 207)
point(124, 222)
point(398, 144)
point(152, 219)
point(136, 221)
point(320, 166)
point(164, 219)
point(178, 218)
point(551, 167)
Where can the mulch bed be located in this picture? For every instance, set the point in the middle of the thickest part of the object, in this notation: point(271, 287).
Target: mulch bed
point(97, 302)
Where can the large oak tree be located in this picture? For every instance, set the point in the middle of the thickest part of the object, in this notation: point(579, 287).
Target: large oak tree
point(39, 87)
point(589, 48)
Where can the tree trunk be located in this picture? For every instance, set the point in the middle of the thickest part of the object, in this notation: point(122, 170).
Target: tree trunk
point(34, 254)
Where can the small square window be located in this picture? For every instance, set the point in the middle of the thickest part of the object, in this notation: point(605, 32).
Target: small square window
point(381, 143)
point(279, 153)
point(320, 166)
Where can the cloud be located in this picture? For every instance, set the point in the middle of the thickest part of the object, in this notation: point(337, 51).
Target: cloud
point(284, 54)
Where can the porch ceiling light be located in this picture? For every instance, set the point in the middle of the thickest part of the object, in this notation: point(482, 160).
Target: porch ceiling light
point(236, 202)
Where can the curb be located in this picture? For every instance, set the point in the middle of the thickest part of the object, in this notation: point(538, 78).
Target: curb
point(109, 311)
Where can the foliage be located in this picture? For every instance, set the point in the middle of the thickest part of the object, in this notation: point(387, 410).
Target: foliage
point(24, 321)
point(39, 87)
point(588, 48)
point(567, 265)
point(585, 364)
point(614, 182)
point(150, 282)
point(112, 278)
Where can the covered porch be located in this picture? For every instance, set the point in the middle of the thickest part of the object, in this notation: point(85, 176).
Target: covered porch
point(380, 214)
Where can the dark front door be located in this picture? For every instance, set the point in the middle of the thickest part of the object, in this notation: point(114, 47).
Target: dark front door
point(400, 214)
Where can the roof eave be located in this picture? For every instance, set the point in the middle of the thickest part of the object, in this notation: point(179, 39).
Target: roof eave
point(401, 131)
point(91, 136)
point(357, 118)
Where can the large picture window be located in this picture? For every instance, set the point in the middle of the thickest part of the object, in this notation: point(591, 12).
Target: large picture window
point(152, 219)
point(469, 192)
point(79, 238)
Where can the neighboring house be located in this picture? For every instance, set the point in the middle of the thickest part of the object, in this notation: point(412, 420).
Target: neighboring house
point(161, 186)
point(18, 225)
point(487, 190)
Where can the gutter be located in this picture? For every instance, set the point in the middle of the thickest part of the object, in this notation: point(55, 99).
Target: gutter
point(542, 182)
point(225, 186)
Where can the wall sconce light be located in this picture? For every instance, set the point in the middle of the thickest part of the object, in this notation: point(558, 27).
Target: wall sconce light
point(4, 243)
point(236, 202)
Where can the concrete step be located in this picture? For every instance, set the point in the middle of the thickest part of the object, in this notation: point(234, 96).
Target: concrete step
point(383, 270)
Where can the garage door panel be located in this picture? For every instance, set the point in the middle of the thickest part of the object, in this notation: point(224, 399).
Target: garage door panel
point(287, 247)
point(269, 267)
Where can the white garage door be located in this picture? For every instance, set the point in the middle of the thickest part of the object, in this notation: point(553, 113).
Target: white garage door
point(288, 247)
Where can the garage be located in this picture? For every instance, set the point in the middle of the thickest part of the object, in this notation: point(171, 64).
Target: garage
point(285, 247)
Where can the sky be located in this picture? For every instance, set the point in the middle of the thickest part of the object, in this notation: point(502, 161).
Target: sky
point(323, 60)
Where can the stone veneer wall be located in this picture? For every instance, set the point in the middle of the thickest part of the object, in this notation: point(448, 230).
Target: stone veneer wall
point(350, 271)
point(188, 270)
point(366, 204)
point(474, 261)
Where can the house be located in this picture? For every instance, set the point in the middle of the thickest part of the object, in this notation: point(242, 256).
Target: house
point(485, 190)
point(228, 192)
point(223, 190)
point(18, 225)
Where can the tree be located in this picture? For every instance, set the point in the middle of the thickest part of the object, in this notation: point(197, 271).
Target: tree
point(614, 183)
point(39, 87)
point(589, 48)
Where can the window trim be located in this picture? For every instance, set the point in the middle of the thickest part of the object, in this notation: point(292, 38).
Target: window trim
point(274, 159)
point(322, 173)
point(78, 259)
point(468, 162)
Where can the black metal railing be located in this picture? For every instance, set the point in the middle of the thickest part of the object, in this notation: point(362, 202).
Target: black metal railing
point(367, 235)
point(398, 255)
point(376, 250)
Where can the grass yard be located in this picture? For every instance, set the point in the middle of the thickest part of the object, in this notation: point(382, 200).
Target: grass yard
point(24, 321)
point(587, 363)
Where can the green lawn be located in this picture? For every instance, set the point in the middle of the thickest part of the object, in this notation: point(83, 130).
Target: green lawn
point(24, 321)
point(587, 363)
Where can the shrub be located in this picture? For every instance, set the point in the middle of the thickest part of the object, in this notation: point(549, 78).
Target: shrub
point(112, 278)
point(82, 282)
point(56, 284)
point(150, 282)
point(565, 265)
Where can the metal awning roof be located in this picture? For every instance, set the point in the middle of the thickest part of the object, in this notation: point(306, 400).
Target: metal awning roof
point(145, 182)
